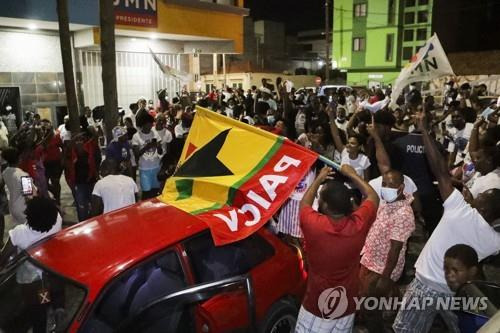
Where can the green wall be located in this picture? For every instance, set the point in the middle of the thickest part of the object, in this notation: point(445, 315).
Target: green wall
point(371, 64)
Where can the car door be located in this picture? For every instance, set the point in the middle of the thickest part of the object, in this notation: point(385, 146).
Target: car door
point(226, 312)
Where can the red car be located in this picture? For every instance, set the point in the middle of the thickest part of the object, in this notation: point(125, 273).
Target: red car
point(151, 268)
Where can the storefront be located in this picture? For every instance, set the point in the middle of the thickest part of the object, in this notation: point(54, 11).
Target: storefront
point(177, 31)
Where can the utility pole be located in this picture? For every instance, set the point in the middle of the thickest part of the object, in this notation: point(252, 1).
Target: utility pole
point(108, 60)
point(67, 60)
point(327, 40)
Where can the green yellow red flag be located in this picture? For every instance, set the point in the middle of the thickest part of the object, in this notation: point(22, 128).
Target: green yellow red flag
point(234, 176)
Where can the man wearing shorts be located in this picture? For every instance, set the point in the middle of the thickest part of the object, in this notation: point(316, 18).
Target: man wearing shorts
point(147, 149)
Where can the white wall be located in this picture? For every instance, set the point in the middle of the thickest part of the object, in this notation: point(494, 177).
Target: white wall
point(29, 52)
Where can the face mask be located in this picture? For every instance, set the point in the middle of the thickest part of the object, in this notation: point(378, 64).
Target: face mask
point(389, 194)
point(340, 120)
point(270, 120)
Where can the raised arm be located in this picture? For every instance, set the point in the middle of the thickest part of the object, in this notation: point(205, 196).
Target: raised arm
point(308, 198)
point(383, 160)
point(335, 132)
point(474, 136)
point(366, 190)
point(434, 157)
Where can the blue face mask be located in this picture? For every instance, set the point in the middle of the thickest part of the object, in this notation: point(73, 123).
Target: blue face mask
point(389, 194)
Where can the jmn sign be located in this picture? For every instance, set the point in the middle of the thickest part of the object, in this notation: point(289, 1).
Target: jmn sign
point(141, 13)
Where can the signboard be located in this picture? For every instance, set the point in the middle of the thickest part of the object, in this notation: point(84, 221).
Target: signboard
point(142, 13)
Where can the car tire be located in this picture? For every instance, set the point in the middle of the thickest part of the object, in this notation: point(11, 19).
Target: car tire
point(281, 318)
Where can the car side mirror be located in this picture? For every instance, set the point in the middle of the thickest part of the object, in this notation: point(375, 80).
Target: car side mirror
point(159, 308)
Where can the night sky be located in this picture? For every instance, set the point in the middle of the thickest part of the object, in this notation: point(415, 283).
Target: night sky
point(296, 14)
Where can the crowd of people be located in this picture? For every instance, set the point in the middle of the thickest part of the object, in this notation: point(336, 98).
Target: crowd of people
point(403, 163)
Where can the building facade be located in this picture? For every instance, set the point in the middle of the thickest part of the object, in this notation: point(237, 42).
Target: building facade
point(178, 31)
point(373, 39)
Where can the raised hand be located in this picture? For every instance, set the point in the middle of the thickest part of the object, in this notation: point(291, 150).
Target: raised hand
point(325, 173)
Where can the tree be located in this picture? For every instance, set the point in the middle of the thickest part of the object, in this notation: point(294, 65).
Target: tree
point(67, 60)
point(108, 59)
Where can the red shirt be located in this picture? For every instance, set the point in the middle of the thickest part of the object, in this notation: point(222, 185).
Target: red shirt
point(333, 249)
point(53, 150)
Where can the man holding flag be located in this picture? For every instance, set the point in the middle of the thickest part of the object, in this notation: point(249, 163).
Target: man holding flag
point(334, 237)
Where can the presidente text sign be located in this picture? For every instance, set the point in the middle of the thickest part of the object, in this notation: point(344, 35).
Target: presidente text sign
point(141, 13)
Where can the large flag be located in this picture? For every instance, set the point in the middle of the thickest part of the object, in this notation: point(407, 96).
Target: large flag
point(429, 63)
point(234, 176)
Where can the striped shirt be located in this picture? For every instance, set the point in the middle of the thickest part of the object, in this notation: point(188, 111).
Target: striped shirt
point(288, 220)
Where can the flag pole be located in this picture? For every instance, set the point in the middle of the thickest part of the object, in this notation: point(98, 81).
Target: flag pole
point(329, 162)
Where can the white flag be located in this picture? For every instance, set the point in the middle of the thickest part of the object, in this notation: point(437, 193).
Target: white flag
point(429, 63)
point(170, 71)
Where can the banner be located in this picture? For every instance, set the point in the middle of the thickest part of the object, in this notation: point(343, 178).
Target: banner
point(234, 176)
point(429, 63)
point(170, 71)
point(142, 13)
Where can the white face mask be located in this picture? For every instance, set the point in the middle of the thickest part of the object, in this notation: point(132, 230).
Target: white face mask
point(8, 108)
point(389, 194)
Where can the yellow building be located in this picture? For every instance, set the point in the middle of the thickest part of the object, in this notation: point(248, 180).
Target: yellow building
point(178, 31)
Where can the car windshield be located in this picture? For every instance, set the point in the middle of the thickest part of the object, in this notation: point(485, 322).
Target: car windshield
point(36, 299)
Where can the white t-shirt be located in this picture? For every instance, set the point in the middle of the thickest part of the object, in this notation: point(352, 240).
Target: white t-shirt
point(460, 138)
point(64, 133)
point(484, 183)
point(166, 138)
point(460, 224)
point(17, 201)
point(22, 236)
point(116, 191)
point(360, 164)
point(410, 186)
point(150, 159)
point(180, 131)
point(342, 126)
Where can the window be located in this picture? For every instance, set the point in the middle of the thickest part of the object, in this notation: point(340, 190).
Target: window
point(24, 286)
point(408, 35)
point(423, 2)
point(211, 263)
point(409, 18)
point(358, 44)
point(360, 10)
point(407, 52)
point(422, 16)
point(410, 3)
point(421, 34)
point(160, 276)
point(389, 45)
point(391, 16)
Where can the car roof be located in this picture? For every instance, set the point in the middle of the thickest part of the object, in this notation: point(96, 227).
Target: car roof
point(94, 251)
